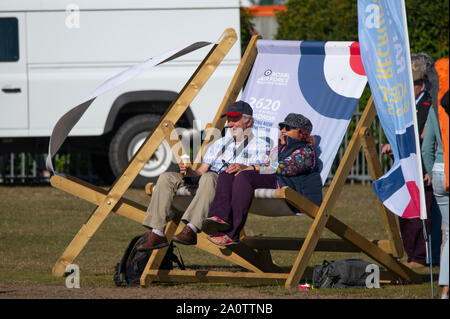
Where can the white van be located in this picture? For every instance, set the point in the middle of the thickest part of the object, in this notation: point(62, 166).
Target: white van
point(53, 53)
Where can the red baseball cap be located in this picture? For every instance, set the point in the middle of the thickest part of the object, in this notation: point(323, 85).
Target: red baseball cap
point(238, 108)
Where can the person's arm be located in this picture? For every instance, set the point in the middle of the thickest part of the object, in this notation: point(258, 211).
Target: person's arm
point(386, 149)
point(299, 161)
point(236, 168)
point(186, 169)
point(258, 155)
point(202, 169)
point(428, 144)
point(253, 167)
point(264, 160)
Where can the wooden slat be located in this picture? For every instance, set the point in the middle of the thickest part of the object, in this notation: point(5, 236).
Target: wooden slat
point(174, 141)
point(194, 276)
point(324, 244)
point(389, 219)
point(227, 277)
point(96, 195)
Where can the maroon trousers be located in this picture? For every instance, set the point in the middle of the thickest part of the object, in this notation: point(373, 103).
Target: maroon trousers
point(234, 195)
point(413, 236)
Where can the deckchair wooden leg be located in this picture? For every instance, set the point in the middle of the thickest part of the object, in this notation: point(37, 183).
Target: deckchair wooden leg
point(80, 240)
point(390, 220)
point(173, 114)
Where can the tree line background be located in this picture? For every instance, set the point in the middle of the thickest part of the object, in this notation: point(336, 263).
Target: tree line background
point(337, 20)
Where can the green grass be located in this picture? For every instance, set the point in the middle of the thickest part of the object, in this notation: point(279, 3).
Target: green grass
point(37, 224)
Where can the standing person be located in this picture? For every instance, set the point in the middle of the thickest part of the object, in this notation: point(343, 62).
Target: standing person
point(434, 153)
point(433, 157)
point(296, 167)
point(237, 150)
point(412, 229)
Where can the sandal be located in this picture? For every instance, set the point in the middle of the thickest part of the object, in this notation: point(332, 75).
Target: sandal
point(214, 224)
point(222, 240)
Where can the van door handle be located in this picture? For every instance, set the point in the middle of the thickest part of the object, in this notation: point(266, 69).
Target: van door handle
point(11, 90)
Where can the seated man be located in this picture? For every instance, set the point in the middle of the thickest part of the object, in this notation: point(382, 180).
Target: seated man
point(231, 153)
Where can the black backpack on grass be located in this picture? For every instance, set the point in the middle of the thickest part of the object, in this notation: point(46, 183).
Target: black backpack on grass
point(344, 273)
point(129, 270)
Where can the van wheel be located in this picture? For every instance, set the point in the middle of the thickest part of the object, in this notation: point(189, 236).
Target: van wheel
point(127, 141)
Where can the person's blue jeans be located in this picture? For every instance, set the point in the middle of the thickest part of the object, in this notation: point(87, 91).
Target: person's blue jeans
point(442, 199)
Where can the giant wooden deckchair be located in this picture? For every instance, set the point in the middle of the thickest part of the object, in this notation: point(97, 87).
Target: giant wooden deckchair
point(253, 253)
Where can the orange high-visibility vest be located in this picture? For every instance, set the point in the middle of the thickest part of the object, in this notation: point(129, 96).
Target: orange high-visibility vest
point(441, 66)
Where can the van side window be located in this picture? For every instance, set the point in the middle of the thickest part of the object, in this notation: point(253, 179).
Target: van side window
point(9, 40)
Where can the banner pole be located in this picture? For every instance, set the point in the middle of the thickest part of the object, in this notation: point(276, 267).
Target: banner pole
point(429, 257)
point(423, 213)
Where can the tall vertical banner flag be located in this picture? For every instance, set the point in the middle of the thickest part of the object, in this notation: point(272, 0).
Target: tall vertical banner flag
point(385, 55)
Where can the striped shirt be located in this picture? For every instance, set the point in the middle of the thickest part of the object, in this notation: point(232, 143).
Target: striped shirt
point(226, 151)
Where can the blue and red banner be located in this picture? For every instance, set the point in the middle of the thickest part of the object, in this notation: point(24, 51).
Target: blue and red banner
point(384, 46)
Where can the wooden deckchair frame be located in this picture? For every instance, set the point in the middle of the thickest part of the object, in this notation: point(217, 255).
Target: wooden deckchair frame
point(254, 252)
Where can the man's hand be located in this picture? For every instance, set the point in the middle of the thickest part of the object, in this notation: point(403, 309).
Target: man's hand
point(235, 168)
point(185, 169)
point(386, 149)
point(427, 180)
point(248, 168)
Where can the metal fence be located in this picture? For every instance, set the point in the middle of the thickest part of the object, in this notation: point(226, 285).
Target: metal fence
point(360, 171)
point(25, 167)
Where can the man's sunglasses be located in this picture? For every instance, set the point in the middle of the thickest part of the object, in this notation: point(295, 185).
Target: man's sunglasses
point(284, 126)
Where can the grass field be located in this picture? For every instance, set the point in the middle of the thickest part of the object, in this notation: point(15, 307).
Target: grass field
point(37, 223)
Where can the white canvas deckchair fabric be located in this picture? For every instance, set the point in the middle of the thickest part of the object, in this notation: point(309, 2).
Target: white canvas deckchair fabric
point(320, 80)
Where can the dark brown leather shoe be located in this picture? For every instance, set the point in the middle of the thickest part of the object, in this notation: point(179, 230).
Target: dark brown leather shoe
point(186, 237)
point(153, 241)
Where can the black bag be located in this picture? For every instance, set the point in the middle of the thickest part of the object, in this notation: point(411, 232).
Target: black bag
point(341, 274)
point(130, 268)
